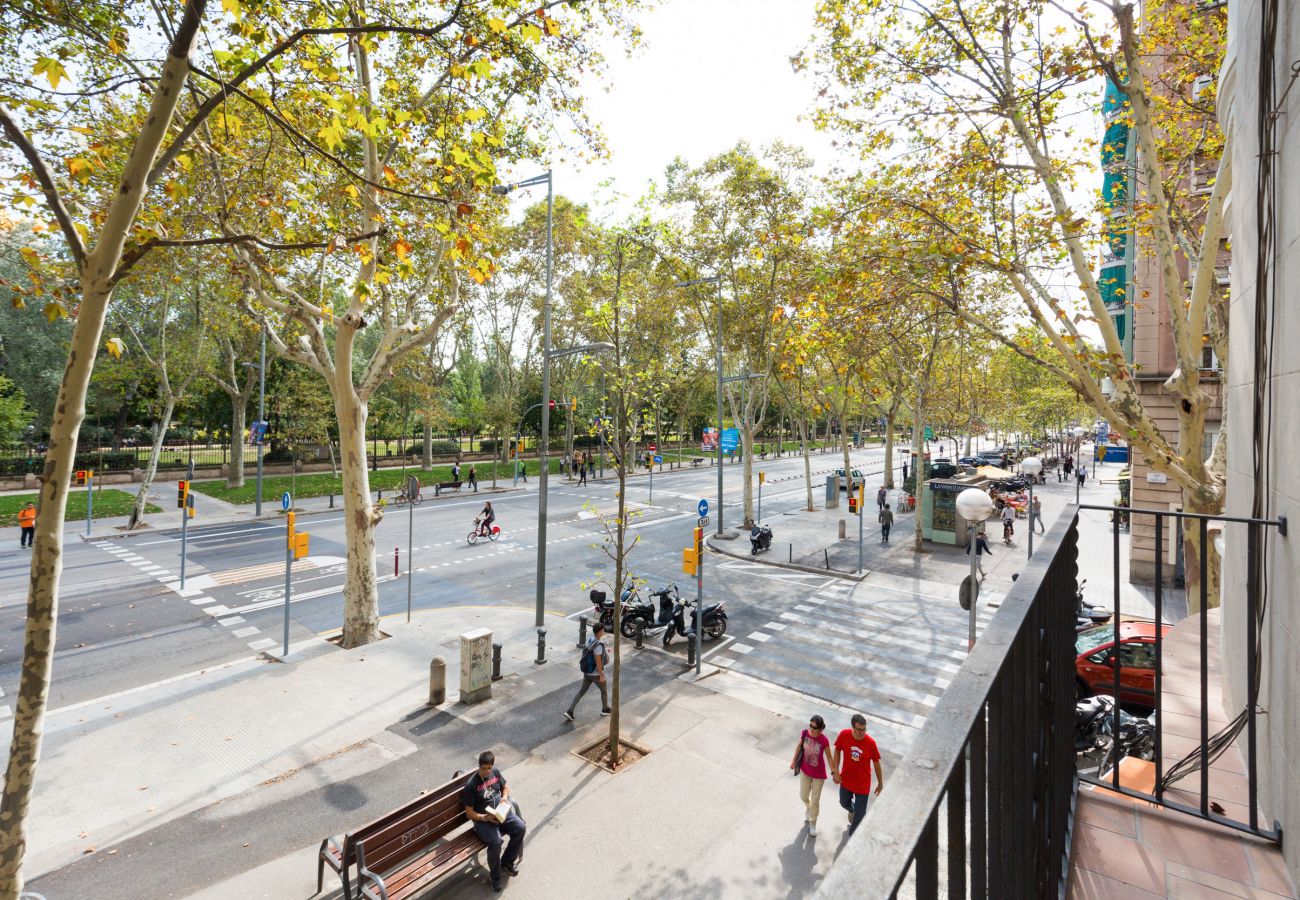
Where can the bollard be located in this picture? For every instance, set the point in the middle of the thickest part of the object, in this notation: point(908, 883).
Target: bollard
point(792, 553)
point(582, 632)
point(437, 681)
point(827, 553)
point(842, 532)
point(396, 552)
point(331, 501)
point(496, 662)
point(541, 646)
point(640, 634)
point(379, 496)
point(690, 651)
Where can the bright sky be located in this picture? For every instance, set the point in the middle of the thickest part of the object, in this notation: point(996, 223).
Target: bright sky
point(710, 73)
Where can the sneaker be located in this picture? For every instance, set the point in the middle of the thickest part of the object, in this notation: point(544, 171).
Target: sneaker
point(606, 711)
point(513, 868)
point(812, 830)
point(568, 714)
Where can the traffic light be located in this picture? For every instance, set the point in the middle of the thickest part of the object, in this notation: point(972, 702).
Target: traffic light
point(699, 536)
point(81, 476)
point(182, 493)
point(690, 560)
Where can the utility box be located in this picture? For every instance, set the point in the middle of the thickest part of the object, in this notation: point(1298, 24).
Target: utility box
point(475, 665)
point(832, 492)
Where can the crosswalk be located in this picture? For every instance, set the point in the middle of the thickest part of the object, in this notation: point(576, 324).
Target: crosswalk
point(888, 655)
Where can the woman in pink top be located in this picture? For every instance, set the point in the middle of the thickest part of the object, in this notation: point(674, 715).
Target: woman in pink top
point(812, 758)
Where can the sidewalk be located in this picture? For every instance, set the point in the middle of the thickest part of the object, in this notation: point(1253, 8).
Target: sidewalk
point(715, 786)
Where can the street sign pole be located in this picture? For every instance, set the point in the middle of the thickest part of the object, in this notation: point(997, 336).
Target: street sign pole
point(651, 499)
point(412, 490)
point(90, 500)
point(699, 598)
point(185, 520)
point(286, 502)
point(862, 495)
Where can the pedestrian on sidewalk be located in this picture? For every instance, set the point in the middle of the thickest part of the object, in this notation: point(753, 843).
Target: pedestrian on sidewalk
point(583, 465)
point(1083, 475)
point(455, 471)
point(855, 756)
point(886, 522)
point(592, 664)
point(811, 756)
point(27, 524)
point(1036, 516)
point(981, 548)
point(905, 470)
point(882, 498)
point(484, 796)
point(1068, 465)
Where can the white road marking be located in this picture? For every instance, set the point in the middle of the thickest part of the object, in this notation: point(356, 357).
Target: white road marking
point(262, 644)
point(233, 620)
point(244, 632)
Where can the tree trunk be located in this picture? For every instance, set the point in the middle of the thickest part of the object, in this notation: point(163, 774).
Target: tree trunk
point(889, 451)
point(806, 448)
point(426, 458)
point(123, 415)
point(160, 434)
point(848, 468)
point(919, 461)
point(235, 470)
point(747, 472)
point(360, 592)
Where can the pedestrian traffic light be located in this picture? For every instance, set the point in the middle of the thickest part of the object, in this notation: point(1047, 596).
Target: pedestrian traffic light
point(182, 493)
point(81, 476)
point(301, 544)
point(690, 560)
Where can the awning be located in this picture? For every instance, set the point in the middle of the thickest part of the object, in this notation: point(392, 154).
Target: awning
point(993, 473)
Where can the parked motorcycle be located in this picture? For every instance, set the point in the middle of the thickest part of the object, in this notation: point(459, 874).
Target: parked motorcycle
point(760, 539)
point(713, 621)
point(657, 612)
point(1086, 615)
point(1094, 737)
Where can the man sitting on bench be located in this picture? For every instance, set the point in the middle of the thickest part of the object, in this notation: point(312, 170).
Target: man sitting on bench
point(487, 805)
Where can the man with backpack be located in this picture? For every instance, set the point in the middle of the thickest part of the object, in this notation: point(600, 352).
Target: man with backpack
point(592, 665)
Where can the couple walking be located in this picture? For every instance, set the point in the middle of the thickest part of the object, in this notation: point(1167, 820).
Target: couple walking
point(850, 763)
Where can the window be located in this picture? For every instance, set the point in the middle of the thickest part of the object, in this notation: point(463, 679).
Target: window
point(1137, 655)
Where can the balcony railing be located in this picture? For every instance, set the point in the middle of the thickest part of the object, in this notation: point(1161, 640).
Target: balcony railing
point(983, 806)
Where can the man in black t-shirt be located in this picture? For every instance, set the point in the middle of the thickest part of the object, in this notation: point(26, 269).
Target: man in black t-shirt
point(486, 789)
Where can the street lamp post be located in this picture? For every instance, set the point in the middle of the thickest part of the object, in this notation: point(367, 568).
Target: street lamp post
point(974, 506)
point(715, 280)
point(546, 392)
point(30, 431)
point(1078, 452)
point(1031, 466)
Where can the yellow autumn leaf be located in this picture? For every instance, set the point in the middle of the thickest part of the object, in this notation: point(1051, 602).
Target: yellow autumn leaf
point(54, 310)
point(497, 25)
point(51, 68)
point(115, 347)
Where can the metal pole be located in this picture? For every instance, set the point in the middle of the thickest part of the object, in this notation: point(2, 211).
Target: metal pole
point(1031, 517)
point(718, 362)
point(546, 421)
point(261, 417)
point(651, 498)
point(974, 584)
point(410, 555)
point(862, 515)
point(185, 519)
point(699, 601)
point(760, 502)
point(90, 503)
point(288, 585)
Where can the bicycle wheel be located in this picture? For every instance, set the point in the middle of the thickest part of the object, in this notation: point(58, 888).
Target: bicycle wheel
point(399, 500)
point(472, 537)
point(493, 534)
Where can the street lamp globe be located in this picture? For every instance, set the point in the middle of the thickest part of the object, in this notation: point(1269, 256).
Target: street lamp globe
point(974, 505)
point(1031, 465)
point(1079, 431)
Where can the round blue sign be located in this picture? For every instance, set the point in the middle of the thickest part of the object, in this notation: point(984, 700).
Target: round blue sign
point(285, 501)
point(703, 507)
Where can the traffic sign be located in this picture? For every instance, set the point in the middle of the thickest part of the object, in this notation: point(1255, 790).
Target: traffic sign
point(659, 459)
point(285, 501)
point(652, 449)
point(703, 507)
point(701, 521)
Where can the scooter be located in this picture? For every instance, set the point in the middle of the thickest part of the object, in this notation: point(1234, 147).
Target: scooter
point(1086, 615)
point(713, 620)
point(760, 539)
point(1094, 732)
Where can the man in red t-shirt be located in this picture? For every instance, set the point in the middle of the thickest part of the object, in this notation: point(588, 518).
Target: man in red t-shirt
point(859, 755)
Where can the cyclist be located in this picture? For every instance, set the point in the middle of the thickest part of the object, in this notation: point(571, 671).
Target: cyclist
point(1008, 522)
point(486, 518)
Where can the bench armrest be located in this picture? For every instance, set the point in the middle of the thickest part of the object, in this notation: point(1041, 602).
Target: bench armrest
point(368, 881)
point(331, 852)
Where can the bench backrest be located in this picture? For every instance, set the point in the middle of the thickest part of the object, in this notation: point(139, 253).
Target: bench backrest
point(412, 829)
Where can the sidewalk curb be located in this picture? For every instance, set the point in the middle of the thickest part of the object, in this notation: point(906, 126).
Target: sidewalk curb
point(796, 567)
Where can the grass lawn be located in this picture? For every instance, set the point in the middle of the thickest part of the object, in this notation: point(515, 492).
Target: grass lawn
point(107, 503)
point(321, 484)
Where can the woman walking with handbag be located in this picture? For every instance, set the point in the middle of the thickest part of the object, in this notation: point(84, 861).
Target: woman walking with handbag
point(810, 763)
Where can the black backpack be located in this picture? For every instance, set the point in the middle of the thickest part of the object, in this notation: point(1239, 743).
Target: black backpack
point(588, 661)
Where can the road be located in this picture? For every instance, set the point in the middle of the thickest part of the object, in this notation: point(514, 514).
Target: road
point(121, 627)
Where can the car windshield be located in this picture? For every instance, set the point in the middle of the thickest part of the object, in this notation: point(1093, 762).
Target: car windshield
point(1092, 638)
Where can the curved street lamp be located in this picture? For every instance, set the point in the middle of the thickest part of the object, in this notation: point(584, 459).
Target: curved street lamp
point(974, 506)
point(1031, 466)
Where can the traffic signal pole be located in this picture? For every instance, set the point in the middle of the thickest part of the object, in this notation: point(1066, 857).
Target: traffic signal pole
point(699, 600)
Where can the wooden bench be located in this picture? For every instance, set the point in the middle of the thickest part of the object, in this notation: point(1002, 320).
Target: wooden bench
point(446, 486)
point(429, 837)
point(697, 462)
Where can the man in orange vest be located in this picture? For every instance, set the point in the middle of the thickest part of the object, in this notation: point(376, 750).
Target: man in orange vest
point(27, 522)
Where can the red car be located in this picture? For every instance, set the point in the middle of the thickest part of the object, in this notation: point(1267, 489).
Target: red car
point(1095, 669)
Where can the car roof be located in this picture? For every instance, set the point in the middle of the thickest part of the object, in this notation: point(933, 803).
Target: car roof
point(1129, 629)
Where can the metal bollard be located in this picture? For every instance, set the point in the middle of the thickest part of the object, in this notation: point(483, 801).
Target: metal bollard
point(496, 662)
point(792, 553)
point(690, 651)
point(437, 681)
point(582, 632)
point(640, 634)
point(331, 501)
point(827, 554)
point(541, 646)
